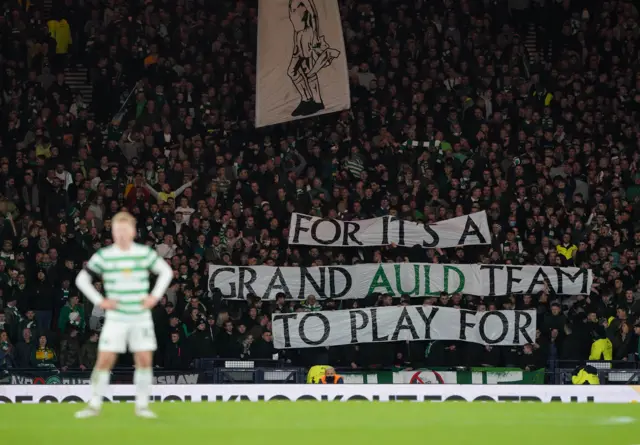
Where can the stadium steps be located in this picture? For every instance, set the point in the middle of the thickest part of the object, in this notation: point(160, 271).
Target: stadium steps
point(77, 79)
point(47, 6)
point(531, 43)
point(550, 50)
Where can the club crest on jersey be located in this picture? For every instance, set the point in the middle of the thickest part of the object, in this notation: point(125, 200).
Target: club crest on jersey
point(126, 272)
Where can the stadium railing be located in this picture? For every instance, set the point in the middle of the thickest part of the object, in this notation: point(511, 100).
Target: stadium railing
point(438, 375)
point(220, 371)
point(204, 371)
point(55, 376)
point(616, 372)
point(250, 371)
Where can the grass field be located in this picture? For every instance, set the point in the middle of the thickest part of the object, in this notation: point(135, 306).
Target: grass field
point(330, 423)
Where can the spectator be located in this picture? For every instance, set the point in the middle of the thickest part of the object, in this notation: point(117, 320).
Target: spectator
point(556, 319)
point(175, 355)
point(226, 344)
point(167, 249)
point(60, 31)
point(245, 342)
point(281, 306)
point(192, 320)
point(29, 322)
point(70, 349)
point(621, 342)
point(43, 356)
point(575, 344)
point(89, 351)
point(25, 351)
point(7, 359)
point(177, 326)
point(311, 305)
point(41, 300)
point(165, 194)
point(72, 314)
point(263, 348)
point(201, 341)
point(211, 326)
point(193, 302)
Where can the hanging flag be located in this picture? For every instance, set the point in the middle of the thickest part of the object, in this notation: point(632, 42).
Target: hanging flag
point(302, 65)
point(403, 323)
point(412, 279)
point(464, 230)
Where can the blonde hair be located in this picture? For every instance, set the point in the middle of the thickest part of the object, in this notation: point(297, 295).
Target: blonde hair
point(124, 217)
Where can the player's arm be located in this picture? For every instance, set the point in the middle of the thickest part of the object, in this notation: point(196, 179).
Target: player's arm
point(84, 282)
point(159, 267)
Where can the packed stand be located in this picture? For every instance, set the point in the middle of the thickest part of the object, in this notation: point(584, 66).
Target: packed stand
point(451, 114)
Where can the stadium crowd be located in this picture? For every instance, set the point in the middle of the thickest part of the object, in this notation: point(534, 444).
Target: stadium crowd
point(450, 114)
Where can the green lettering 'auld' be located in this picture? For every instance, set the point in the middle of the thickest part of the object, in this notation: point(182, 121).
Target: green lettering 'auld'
point(416, 280)
point(427, 281)
point(446, 279)
point(380, 280)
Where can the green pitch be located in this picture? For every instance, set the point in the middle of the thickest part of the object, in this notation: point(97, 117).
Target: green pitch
point(327, 423)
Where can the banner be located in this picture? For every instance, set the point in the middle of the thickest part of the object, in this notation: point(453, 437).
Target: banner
point(474, 376)
point(302, 63)
point(335, 393)
point(413, 279)
point(468, 230)
point(402, 323)
point(118, 377)
point(45, 377)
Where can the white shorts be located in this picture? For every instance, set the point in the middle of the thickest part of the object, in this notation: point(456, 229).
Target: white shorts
point(119, 336)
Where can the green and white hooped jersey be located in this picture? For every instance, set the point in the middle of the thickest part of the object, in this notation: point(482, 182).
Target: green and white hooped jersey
point(125, 275)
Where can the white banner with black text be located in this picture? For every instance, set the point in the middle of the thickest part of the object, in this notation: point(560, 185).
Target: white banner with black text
point(334, 393)
point(467, 230)
point(402, 323)
point(396, 279)
point(302, 63)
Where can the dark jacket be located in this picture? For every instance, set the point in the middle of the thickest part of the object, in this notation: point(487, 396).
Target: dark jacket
point(484, 355)
point(175, 357)
point(534, 361)
point(70, 352)
point(261, 349)
point(41, 297)
point(575, 347)
point(22, 297)
point(621, 347)
point(32, 325)
point(227, 345)
point(7, 359)
point(201, 344)
point(161, 323)
point(24, 357)
point(554, 322)
point(60, 297)
point(89, 354)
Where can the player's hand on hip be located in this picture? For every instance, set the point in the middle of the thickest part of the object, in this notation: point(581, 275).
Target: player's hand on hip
point(150, 302)
point(108, 305)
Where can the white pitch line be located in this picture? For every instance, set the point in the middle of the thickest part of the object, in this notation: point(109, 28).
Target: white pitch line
point(623, 420)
